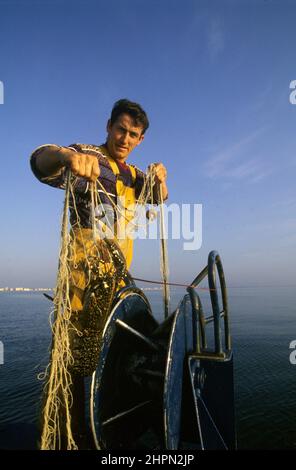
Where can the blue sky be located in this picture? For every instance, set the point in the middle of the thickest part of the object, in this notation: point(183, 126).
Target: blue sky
point(214, 79)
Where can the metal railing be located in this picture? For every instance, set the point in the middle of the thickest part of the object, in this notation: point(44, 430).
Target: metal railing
point(214, 261)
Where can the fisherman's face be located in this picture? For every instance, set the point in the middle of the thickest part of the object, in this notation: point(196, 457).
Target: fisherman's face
point(123, 136)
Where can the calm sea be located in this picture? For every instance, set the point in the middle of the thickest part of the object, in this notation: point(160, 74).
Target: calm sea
point(263, 324)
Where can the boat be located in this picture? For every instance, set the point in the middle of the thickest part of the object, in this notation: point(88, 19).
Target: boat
point(166, 385)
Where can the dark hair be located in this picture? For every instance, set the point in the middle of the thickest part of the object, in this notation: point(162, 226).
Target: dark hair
point(133, 109)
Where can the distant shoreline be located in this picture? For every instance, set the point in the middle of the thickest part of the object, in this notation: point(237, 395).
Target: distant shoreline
point(50, 289)
point(26, 289)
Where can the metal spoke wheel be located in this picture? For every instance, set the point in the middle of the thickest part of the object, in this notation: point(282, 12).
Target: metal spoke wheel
point(148, 391)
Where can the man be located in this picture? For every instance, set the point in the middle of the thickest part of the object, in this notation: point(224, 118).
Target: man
point(125, 131)
point(106, 165)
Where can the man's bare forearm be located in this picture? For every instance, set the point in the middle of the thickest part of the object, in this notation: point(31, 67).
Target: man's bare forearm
point(164, 191)
point(161, 177)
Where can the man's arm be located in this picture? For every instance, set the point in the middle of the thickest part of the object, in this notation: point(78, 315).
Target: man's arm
point(161, 176)
point(51, 159)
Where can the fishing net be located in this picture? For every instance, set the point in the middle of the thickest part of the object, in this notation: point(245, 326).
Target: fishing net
point(91, 269)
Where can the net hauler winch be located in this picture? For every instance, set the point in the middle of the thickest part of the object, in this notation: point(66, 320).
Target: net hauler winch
point(169, 385)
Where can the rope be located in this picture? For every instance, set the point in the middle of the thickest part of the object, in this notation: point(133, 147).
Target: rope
point(89, 273)
point(175, 284)
point(58, 393)
point(164, 265)
point(145, 195)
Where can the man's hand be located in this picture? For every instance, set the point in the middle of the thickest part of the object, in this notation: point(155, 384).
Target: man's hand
point(161, 176)
point(160, 172)
point(81, 164)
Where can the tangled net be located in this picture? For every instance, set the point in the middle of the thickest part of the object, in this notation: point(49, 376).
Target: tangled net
point(91, 270)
